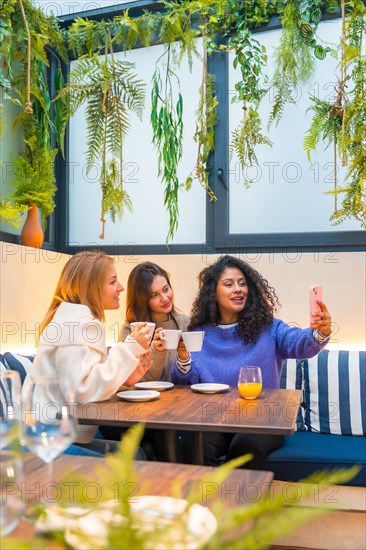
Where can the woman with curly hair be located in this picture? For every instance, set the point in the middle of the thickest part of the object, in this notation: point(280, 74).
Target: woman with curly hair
point(235, 308)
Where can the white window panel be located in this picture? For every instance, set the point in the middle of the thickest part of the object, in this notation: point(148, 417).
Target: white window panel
point(148, 222)
point(288, 193)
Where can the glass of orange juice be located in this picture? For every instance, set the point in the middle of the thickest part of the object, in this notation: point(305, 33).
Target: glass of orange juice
point(250, 382)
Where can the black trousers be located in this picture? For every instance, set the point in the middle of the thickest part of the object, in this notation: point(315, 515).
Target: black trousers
point(221, 447)
point(153, 442)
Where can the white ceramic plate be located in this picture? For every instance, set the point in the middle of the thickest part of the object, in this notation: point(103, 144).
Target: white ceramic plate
point(158, 385)
point(210, 388)
point(87, 528)
point(138, 395)
point(195, 529)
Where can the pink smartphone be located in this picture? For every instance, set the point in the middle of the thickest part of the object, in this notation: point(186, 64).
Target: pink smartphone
point(316, 293)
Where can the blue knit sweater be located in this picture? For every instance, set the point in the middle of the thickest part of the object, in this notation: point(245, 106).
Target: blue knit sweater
point(223, 353)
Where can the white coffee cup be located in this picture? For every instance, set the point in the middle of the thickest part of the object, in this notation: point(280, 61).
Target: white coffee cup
point(171, 337)
point(150, 326)
point(193, 340)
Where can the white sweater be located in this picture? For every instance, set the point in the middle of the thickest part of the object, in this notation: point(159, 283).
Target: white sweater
point(73, 346)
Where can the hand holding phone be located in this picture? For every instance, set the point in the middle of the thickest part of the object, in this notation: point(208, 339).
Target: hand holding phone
point(316, 293)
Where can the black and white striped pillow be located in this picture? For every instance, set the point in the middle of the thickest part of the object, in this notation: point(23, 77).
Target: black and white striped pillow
point(292, 378)
point(335, 392)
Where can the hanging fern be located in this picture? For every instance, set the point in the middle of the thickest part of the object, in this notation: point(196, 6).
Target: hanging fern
point(180, 22)
point(244, 140)
point(343, 122)
point(325, 122)
point(115, 198)
point(111, 90)
point(354, 201)
point(293, 58)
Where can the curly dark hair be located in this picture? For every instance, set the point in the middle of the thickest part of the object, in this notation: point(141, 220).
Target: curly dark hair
point(259, 308)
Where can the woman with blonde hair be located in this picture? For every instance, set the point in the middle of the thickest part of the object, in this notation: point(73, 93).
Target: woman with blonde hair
point(72, 336)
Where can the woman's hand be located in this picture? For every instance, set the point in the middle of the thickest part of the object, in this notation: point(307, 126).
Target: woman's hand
point(181, 350)
point(142, 335)
point(322, 321)
point(143, 366)
point(158, 344)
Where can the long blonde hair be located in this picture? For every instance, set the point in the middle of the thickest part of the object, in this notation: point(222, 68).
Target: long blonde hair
point(81, 282)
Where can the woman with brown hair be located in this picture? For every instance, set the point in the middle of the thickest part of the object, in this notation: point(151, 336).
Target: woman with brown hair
point(150, 297)
point(72, 336)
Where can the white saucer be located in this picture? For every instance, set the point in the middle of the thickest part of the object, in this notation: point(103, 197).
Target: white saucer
point(154, 385)
point(210, 388)
point(138, 395)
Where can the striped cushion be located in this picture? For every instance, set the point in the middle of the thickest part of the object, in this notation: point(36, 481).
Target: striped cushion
point(292, 378)
point(335, 392)
point(20, 363)
point(3, 390)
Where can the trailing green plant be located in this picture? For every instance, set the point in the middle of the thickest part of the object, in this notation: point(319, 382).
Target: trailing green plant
point(295, 57)
point(343, 122)
point(167, 126)
point(251, 57)
point(244, 140)
point(110, 89)
point(353, 143)
point(206, 118)
point(268, 518)
point(27, 37)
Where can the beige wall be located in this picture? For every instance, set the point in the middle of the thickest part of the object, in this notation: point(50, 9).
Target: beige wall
point(28, 278)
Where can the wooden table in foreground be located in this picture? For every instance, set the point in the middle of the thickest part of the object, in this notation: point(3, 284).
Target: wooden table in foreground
point(157, 478)
point(273, 412)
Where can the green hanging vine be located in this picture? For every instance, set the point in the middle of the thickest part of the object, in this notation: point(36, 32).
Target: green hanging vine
point(27, 35)
point(110, 89)
point(29, 38)
point(250, 56)
point(167, 125)
point(343, 121)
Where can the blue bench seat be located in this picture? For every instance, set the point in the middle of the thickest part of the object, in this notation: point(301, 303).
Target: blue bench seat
point(304, 453)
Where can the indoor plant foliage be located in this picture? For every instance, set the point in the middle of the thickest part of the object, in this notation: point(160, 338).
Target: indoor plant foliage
point(297, 52)
point(177, 24)
point(269, 517)
point(342, 122)
point(167, 126)
point(110, 89)
point(27, 36)
point(250, 56)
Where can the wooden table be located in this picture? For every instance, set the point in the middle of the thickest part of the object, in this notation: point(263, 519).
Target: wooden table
point(242, 486)
point(273, 412)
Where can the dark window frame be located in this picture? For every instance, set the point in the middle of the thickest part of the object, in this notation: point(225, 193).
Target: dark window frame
point(218, 237)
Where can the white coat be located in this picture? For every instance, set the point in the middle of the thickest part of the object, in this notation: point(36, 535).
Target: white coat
point(73, 346)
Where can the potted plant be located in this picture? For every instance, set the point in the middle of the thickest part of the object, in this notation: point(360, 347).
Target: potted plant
point(27, 35)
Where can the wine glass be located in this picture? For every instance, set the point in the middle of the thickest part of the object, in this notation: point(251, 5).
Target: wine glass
point(48, 426)
point(11, 481)
point(10, 401)
point(250, 382)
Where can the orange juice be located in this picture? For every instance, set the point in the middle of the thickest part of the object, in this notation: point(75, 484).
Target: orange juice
point(250, 390)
